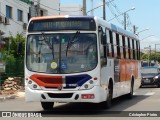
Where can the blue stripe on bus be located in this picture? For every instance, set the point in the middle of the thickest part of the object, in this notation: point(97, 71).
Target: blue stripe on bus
point(76, 81)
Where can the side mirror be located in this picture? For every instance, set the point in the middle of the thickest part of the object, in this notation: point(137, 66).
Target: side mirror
point(103, 39)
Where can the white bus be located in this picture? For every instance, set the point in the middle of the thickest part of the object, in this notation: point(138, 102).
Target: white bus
point(79, 59)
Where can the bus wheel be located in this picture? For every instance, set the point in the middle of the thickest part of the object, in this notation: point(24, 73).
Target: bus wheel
point(130, 95)
point(108, 103)
point(47, 105)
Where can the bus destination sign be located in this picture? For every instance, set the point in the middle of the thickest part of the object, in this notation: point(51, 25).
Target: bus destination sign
point(61, 24)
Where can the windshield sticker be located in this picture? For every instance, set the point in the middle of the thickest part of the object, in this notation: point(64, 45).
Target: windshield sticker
point(54, 65)
point(82, 66)
point(63, 65)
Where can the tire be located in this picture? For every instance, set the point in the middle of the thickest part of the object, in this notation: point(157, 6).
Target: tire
point(140, 86)
point(47, 105)
point(108, 103)
point(130, 95)
point(158, 85)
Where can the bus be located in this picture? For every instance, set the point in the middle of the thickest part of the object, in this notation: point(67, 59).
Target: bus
point(79, 59)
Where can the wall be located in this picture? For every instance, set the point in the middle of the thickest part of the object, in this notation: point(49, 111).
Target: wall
point(71, 10)
point(50, 7)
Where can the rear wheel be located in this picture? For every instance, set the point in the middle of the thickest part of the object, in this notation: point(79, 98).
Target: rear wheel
point(140, 86)
point(130, 95)
point(47, 105)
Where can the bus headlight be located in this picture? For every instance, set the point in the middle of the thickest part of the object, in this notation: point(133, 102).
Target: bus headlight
point(88, 85)
point(32, 85)
point(29, 82)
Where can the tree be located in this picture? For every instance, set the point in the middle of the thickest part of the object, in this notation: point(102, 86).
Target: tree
point(14, 60)
point(10, 52)
point(152, 57)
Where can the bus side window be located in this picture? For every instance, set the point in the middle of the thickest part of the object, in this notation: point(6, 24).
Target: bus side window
point(118, 47)
point(138, 50)
point(111, 41)
point(129, 49)
point(124, 46)
point(108, 50)
point(133, 49)
point(100, 34)
point(121, 46)
point(102, 41)
point(115, 44)
point(109, 46)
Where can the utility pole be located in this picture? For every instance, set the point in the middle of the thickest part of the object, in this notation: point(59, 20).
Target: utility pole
point(92, 8)
point(104, 9)
point(134, 29)
point(84, 7)
point(125, 21)
point(32, 11)
point(38, 7)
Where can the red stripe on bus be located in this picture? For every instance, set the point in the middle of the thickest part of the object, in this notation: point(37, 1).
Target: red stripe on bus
point(47, 81)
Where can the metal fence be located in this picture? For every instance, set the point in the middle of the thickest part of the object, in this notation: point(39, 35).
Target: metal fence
point(13, 69)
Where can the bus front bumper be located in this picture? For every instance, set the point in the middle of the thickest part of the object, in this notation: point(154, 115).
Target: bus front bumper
point(95, 95)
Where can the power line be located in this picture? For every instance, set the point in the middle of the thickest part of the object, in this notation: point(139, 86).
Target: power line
point(129, 23)
point(56, 9)
point(114, 14)
point(17, 3)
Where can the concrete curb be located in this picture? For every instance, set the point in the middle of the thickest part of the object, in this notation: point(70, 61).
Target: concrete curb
point(3, 98)
point(19, 94)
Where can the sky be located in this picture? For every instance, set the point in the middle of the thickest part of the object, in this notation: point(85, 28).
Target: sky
point(145, 16)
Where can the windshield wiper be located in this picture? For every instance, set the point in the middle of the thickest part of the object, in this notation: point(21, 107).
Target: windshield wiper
point(72, 41)
point(48, 43)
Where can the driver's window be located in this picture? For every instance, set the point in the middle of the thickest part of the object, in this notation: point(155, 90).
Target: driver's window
point(100, 37)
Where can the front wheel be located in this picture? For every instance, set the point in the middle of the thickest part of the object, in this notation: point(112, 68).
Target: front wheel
point(47, 105)
point(108, 103)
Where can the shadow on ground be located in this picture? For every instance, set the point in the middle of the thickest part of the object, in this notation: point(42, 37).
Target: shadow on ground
point(92, 109)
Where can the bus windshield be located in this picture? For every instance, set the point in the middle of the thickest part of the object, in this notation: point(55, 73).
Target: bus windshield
point(46, 53)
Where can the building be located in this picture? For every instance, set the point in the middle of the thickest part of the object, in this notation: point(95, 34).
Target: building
point(71, 10)
point(14, 14)
point(48, 7)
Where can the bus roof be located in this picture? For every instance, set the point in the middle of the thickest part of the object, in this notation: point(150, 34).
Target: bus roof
point(60, 16)
point(115, 28)
point(100, 21)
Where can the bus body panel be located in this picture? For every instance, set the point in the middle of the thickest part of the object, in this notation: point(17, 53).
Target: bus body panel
point(36, 95)
point(119, 71)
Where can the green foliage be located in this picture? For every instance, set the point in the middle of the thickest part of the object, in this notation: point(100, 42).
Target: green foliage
point(151, 56)
point(7, 56)
point(11, 47)
point(14, 61)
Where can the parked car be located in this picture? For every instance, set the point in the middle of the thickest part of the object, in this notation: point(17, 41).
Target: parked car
point(146, 64)
point(150, 76)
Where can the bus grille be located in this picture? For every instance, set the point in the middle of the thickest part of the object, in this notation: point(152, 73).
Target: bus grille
point(60, 95)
